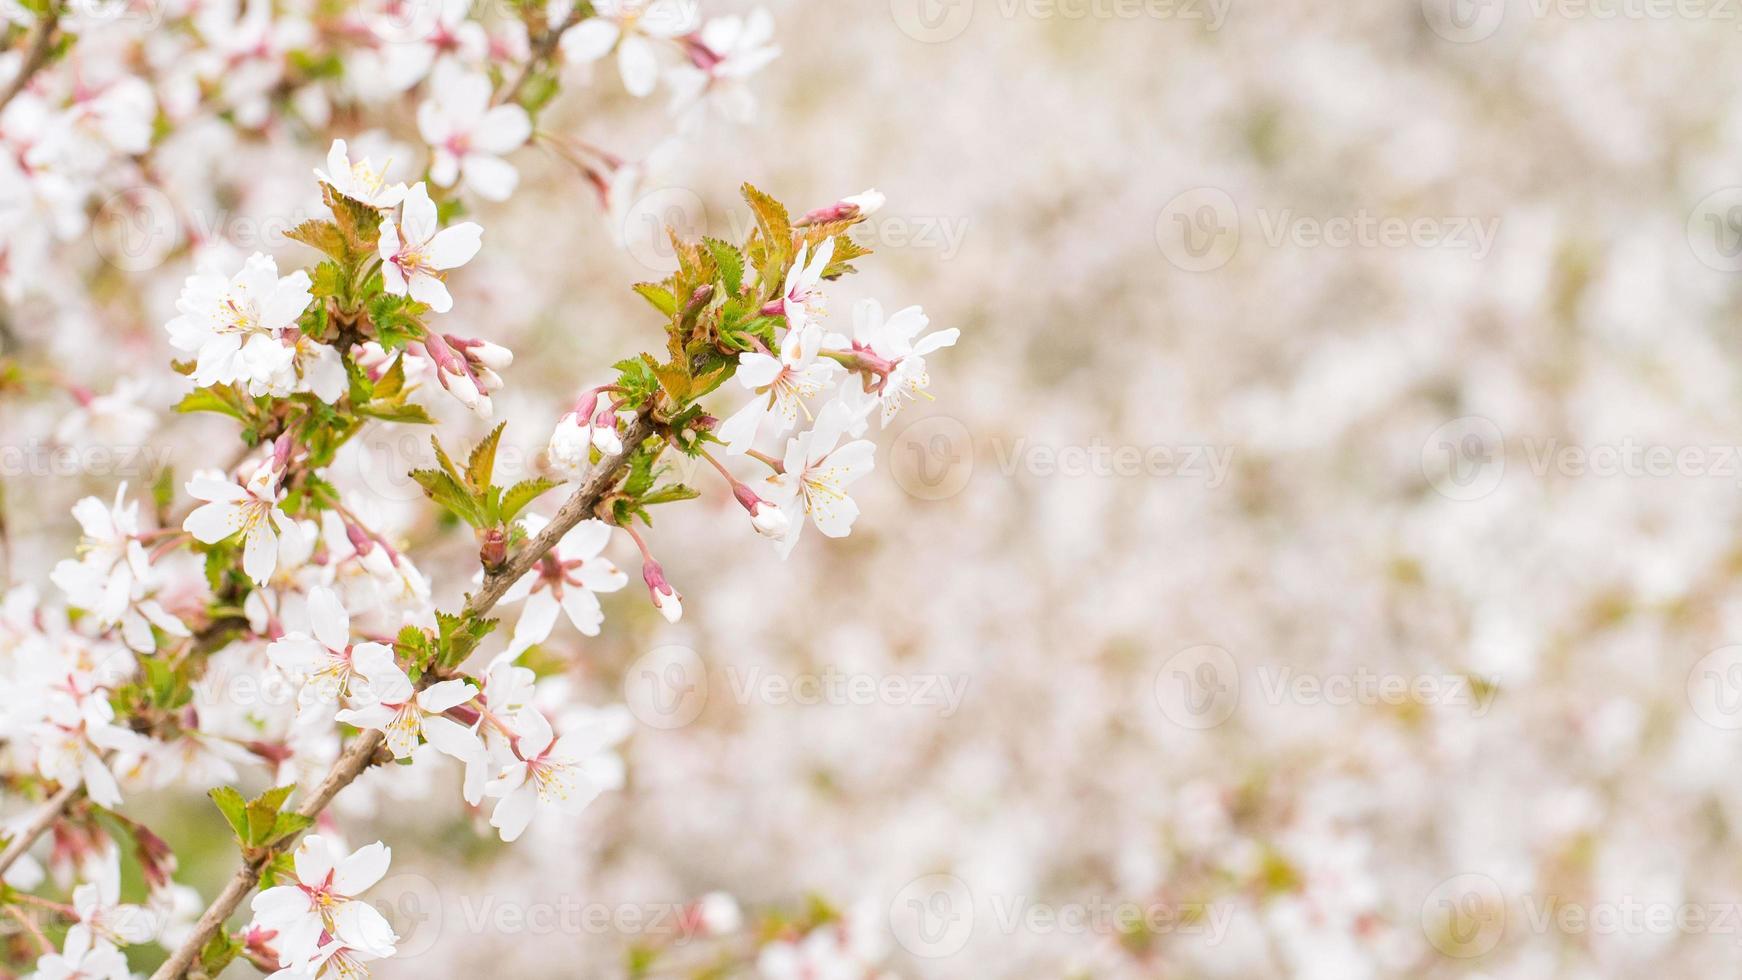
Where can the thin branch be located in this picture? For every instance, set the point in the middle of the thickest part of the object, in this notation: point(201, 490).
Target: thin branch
point(38, 56)
point(39, 824)
point(362, 753)
point(542, 50)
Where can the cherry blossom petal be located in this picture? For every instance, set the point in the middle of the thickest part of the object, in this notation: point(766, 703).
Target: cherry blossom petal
point(489, 177)
point(536, 620)
point(454, 247)
point(362, 868)
point(502, 130)
point(591, 39)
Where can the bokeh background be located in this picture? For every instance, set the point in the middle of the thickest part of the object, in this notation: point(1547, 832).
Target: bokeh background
point(1319, 559)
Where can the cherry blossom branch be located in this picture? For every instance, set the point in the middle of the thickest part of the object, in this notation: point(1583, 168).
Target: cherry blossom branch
point(362, 752)
point(37, 57)
point(545, 47)
point(30, 927)
point(39, 824)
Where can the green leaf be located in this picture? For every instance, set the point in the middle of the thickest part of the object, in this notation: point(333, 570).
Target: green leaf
point(670, 494)
point(523, 493)
point(458, 637)
point(481, 465)
point(328, 281)
point(324, 236)
point(673, 378)
point(287, 824)
point(396, 413)
point(446, 461)
point(220, 400)
point(640, 478)
point(359, 223)
point(659, 296)
point(392, 381)
point(729, 262)
point(218, 953)
point(771, 218)
point(445, 489)
point(234, 808)
point(846, 250)
point(263, 814)
point(398, 320)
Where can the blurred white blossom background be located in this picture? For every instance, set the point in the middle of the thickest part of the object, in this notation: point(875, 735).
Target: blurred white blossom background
point(1315, 562)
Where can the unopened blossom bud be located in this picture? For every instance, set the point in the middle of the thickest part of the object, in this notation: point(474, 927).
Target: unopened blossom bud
point(281, 452)
point(359, 538)
point(569, 443)
point(862, 205)
point(866, 203)
point(494, 551)
point(455, 374)
point(768, 520)
point(156, 861)
point(665, 598)
point(605, 432)
point(493, 356)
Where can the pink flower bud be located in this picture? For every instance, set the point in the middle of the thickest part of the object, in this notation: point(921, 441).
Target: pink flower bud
point(665, 598)
point(768, 520)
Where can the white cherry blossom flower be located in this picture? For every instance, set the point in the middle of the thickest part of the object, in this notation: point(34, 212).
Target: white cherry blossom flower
point(631, 27)
point(782, 385)
point(335, 959)
point(416, 256)
point(324, 901)
point(891, 345)
point(564, 773)
point(114, 419)
point(390, 704)
point(359, 181)
point(323, 658)
point(468, 136)
point(236, 326)
point(113, 579)
point(101, 913)
point(313, 367)
point(818, 471)
point(568, 579)
point(71, 743)
point(801, 298)
point(249, 509)
point(83, 958)
point(723, 55)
